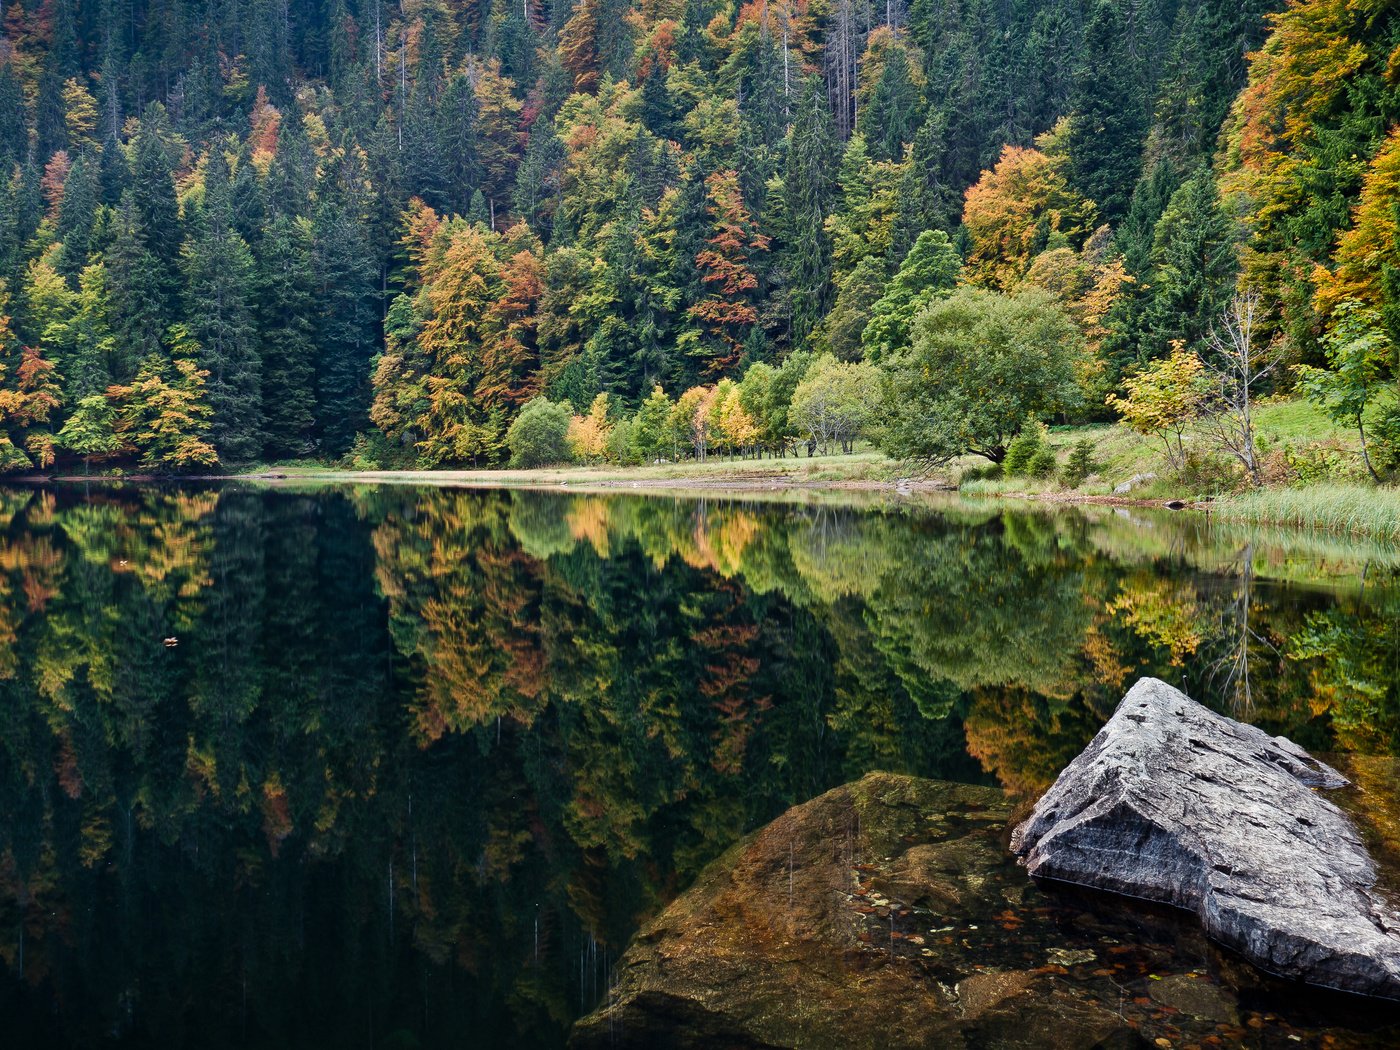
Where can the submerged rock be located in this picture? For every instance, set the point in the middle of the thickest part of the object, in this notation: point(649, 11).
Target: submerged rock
point(1174, 803)
point(888, 914)
point(879, 915)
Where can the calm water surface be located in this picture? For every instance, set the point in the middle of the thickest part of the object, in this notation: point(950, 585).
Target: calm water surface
point(388, 766)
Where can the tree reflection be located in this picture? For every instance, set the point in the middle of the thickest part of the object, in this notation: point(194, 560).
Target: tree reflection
point(417, 761)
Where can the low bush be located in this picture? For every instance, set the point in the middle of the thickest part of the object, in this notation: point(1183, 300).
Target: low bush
point(374, 451)
point(1080, 464)
point(1207, 474)
point(1319, 461)
point(1023, 448)
point(981, 472)
point(1043, 463)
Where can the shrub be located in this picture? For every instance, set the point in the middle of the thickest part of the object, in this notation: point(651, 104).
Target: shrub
point(1208, 474)
point(1080, 464)
point(1319, 461)
point(1023, 448)
point(982, 472)
point(1385, 440)
point(373, 451)
point(539, 435)
point(1043, 463)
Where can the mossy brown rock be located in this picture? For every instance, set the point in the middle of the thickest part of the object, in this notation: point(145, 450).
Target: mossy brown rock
point(850, 921)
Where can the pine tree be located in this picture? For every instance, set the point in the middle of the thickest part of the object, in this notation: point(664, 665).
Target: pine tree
point(808, 189)
point(87, 367)
point(927, 199)
point(891, 118)
point(456, 134)
point(1107, 125)
point(219, 283)
point(537, 190)
point(14, 130)
point(82, 193)
point(136, 295)
point(286, 314)
point(155, 213)
point(346, 330)
point(932, 266)
point(1194, 265)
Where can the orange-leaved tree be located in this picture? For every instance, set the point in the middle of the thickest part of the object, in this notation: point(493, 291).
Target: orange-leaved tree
point(726, 269)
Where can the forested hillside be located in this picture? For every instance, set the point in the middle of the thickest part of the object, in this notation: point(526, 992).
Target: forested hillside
point(267, 230)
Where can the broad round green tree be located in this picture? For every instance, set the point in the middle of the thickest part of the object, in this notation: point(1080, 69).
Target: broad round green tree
point(539, 435)
point(978, 365)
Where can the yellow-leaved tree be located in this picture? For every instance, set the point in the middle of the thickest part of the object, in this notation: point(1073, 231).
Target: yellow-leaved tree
point(1164, 399)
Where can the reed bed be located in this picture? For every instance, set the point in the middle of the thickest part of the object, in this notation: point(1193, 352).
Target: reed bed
point(1355, 510)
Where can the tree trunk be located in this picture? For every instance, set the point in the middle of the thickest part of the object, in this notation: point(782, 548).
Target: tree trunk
point(1365, 450)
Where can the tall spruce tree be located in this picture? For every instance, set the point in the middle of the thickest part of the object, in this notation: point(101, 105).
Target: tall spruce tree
point(1193, 264)
point(14, 129)
point(892, 116)
point(809, 189)
point(155, 210)
point(219, 285)
point(137, 294)
point(82, 193)
point(1107, 123)
point(286, 315)
point(346, 282)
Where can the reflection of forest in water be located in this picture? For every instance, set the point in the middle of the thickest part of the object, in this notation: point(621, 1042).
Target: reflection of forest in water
point(416, 762)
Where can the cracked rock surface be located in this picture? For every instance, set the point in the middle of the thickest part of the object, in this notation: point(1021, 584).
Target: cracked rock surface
point(1174, 803)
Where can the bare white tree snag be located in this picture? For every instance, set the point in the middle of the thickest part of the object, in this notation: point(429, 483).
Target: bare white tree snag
point(1235, 369)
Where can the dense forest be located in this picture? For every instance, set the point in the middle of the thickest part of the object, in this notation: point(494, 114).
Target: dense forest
point(260, 230)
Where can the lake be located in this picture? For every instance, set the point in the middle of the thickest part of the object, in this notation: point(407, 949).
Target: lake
point(396, 766)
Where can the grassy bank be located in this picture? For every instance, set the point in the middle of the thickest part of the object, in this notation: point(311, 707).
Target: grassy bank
point(1351, 510)
point(865, 468)
point(1288, 431)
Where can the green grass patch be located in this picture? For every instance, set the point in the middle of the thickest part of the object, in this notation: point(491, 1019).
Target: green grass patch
point(1017, 486)
point(1355, 510)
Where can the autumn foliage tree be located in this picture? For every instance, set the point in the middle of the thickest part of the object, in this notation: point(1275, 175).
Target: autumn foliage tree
point(1164, 400)
point(1015, 209)
point(726, 266)
point(164, 414)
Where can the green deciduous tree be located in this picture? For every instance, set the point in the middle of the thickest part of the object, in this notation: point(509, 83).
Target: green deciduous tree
point(90, 429)
point(835, 401)
point(978, 365)
point(1361, 361)
point(538, 437)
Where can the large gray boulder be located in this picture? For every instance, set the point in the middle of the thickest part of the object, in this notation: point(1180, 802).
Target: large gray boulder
point(1174, 803)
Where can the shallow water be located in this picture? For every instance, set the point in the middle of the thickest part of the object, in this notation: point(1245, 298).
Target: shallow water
point(394, 766)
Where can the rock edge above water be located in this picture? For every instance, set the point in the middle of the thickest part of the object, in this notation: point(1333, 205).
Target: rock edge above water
point(1174, 803)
